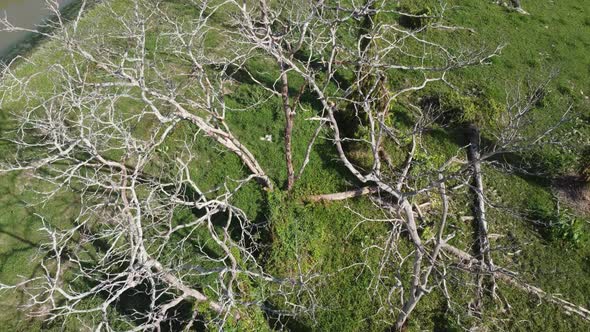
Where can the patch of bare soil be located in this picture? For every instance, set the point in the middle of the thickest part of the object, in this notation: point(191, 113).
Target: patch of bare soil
point(574, 191)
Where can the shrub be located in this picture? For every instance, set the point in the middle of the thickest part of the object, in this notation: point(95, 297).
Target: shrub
point(456, 108)
point(561, 226)
point(568, 228)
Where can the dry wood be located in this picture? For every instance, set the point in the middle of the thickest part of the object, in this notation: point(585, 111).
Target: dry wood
point(344, 195)
point(130, 201)
point(472, 264)
point(474, 156)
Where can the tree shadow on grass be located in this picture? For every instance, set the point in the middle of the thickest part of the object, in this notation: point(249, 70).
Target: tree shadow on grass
point(532, 167)
point(281, 323)
point(136, 304)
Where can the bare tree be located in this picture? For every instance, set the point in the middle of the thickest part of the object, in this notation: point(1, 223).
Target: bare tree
point(134, 170)
point(121, 115)
point(383, 47)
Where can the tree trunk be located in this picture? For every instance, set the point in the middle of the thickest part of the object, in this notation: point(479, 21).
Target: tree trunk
point(289, 120)
point(485, 257)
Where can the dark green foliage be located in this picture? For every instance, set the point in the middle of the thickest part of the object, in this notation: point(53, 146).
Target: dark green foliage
point(561, 226)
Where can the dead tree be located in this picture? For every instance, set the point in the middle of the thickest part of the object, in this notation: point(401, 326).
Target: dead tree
point(394, 191)
point(473, 156)
point(134, 167)
point(280, 34)
point(134, 171)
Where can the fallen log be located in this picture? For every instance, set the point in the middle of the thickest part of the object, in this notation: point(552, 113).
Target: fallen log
point(343, 195)
point(471, 263)
point(473, 156)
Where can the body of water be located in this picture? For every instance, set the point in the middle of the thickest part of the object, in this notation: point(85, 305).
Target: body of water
point(22, 13)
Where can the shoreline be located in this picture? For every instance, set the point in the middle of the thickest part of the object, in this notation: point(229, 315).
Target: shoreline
point(31, 40)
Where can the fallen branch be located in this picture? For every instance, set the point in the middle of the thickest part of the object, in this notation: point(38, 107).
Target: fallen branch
point(471, 263)
point(485, 257)
point(343, 195)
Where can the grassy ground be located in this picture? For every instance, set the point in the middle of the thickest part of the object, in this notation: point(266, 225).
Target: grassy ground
point(320, 236)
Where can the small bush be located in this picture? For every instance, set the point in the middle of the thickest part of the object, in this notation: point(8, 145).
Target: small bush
point(569, 229)
point(561, 226)
point(456, 108)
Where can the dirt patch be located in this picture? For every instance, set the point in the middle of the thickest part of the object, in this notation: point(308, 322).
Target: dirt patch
point(574, 191)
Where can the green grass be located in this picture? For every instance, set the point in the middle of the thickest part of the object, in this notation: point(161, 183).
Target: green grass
point(328, 237)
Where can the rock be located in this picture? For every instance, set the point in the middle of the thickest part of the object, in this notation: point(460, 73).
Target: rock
point(267, 138)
